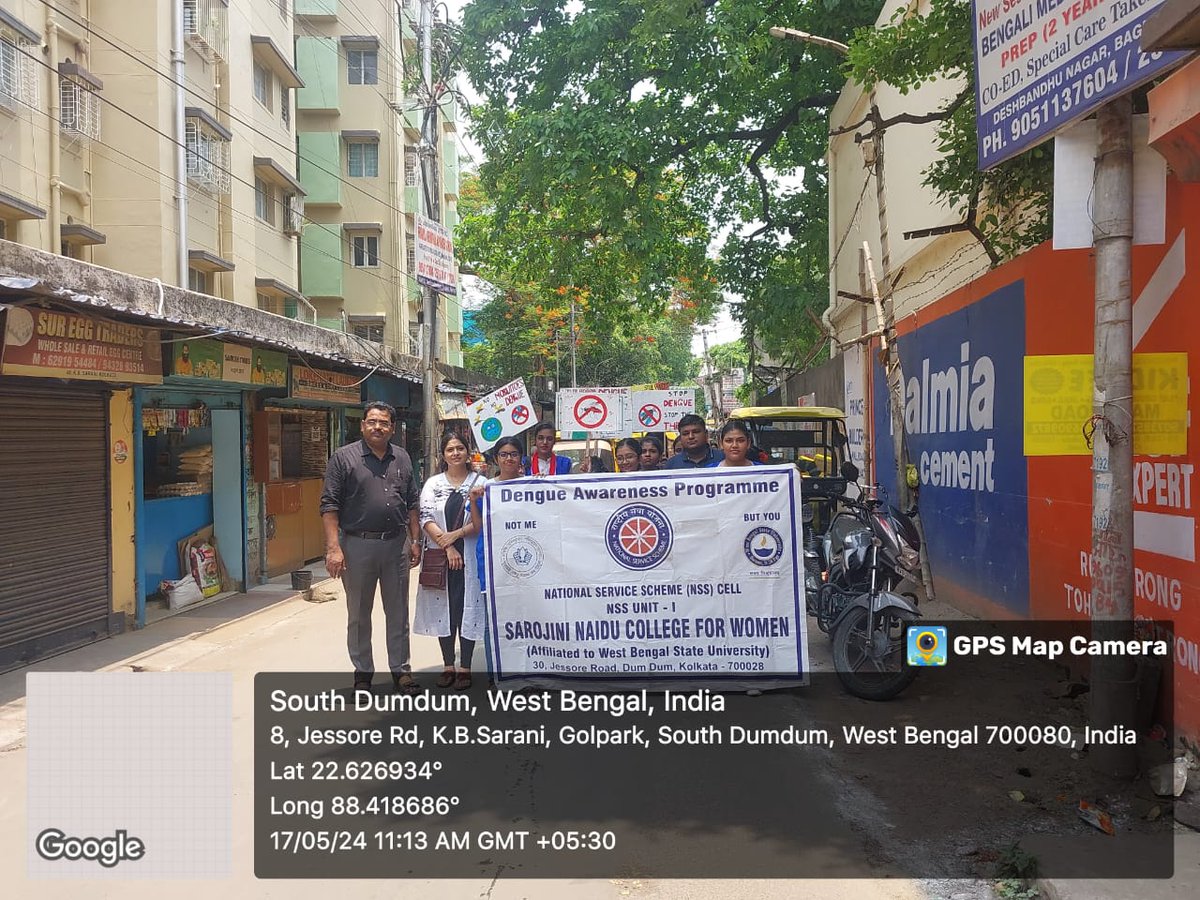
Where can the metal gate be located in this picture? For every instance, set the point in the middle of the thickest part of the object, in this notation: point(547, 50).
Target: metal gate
point(54, 521)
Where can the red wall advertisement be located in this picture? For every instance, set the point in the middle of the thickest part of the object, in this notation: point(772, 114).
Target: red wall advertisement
point(1057, 289)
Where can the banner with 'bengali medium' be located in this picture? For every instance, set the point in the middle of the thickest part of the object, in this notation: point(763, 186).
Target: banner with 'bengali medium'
point(691, 577)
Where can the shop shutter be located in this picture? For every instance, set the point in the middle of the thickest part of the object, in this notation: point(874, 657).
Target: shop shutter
point(54, 521)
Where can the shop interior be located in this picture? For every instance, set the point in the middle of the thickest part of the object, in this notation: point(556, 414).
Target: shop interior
point(192, 481)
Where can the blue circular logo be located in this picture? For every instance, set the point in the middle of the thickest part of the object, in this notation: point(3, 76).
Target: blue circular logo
point(638, 536)
point(491, 429)
point(763, 546)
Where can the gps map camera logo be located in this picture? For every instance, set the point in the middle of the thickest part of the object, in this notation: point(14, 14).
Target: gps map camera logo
point(927, 645)
point(638, 536)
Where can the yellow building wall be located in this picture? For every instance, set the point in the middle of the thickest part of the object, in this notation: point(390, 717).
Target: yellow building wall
point(121, 502)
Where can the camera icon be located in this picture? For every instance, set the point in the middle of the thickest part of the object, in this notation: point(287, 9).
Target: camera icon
point(926, 645)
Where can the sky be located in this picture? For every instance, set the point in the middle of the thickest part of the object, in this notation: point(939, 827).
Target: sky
point(720, 331)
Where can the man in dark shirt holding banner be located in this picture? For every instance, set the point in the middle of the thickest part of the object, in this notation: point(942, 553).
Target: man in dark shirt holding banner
point(371, 507)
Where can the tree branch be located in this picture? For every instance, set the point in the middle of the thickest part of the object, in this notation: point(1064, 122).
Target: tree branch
point(818, 101)
point(881, 124)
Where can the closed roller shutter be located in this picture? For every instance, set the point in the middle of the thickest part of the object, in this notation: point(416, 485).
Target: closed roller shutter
point(54, 521)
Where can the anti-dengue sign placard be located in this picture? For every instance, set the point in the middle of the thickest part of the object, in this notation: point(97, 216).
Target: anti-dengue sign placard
point(691, 576)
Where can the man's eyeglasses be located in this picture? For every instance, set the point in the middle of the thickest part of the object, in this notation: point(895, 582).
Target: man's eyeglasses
point(508, 454)
point(377, 423)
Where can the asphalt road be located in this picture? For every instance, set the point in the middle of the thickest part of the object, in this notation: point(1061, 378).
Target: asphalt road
point(295, 635)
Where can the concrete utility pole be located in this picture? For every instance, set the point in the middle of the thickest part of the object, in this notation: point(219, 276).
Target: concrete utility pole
point(1114, 686)
point(893, 371)
point(429, 187)
point(574, 342)
point(713, 390)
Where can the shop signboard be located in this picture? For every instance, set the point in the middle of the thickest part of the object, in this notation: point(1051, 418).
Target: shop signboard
point(1042, 64)
point(435, 257)
point(321, 384)
point(211, 360)
point(661, 410)
point(247, 365)
point(197, 358)
point(601, 412)
point(47, 343)
point(505, 411)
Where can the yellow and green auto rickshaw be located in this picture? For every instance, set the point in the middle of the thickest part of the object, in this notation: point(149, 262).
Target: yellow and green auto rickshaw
point(813, 439)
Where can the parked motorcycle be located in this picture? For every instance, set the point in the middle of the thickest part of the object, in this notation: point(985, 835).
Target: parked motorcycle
point(867, 552)
point(835, 567)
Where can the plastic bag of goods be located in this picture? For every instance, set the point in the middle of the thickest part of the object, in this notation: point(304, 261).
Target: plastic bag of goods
point(182, 592)
point(203, 560)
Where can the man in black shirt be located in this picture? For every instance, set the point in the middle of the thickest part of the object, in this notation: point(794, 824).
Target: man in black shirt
point(369, 502)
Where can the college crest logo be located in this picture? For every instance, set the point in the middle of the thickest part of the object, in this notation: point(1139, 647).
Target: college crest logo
point(522, 557)
point(763, 546)
point(638, 536)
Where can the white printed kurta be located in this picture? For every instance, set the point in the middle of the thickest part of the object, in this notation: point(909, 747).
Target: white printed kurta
point(433, 606)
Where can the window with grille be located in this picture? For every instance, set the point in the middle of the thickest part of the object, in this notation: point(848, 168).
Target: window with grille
point(285, 107)
point(362, 66)
point(412, 257)
point(270, 304)
point(18, 78)
point(293, 213)
point(80, 109)
point(368, 329)
point(412, 165)
point(364, 251)
point(207, 157)
point(262, 85)
point(198, 281)
point(205, 28)
point(264, 201)
point(362, 159)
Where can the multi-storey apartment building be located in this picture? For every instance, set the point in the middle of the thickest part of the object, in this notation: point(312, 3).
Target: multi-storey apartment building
point(105, 144)
point(358, 133)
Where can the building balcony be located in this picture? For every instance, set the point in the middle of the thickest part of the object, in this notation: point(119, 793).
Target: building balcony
point(317, 9)
point(317, 64)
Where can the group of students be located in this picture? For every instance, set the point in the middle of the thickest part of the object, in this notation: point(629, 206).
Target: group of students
point(692, 450)
point(378, 525)
point(456, 493)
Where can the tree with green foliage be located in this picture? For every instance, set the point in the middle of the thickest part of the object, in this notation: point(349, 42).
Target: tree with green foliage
point(627, 141)
point(643, 149)
point(1007, 207)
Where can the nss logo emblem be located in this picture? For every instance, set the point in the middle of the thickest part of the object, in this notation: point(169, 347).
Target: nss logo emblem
point(638, 536)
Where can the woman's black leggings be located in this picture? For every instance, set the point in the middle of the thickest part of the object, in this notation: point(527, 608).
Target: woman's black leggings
point(455, 589)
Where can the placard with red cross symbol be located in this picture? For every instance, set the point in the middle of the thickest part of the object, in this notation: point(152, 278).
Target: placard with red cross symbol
point(590, 411)
point(649, 415)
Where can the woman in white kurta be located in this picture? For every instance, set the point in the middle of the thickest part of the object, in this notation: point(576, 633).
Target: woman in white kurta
point(451, 522)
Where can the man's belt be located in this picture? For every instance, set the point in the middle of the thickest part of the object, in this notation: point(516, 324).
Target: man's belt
point(374, 535)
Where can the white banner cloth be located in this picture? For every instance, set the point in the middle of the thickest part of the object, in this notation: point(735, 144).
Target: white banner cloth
point(690, 576)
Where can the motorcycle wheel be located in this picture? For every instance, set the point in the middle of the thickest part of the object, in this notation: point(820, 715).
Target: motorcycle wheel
point(862, 668)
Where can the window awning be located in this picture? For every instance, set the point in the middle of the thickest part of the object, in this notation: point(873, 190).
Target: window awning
point(13, 207)
point(375, 227)
point(268, 169)
point(210, 122)
point(204, 261)
point(82, 235)
point(266, 51)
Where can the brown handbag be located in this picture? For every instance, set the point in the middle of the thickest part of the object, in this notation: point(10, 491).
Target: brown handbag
point(435, 565)
point(434, 568)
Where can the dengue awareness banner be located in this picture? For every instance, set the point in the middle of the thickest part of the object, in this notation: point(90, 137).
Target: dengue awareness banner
point(603, 412)
point(505, 411)
point(692, 576)
point(662, 410)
